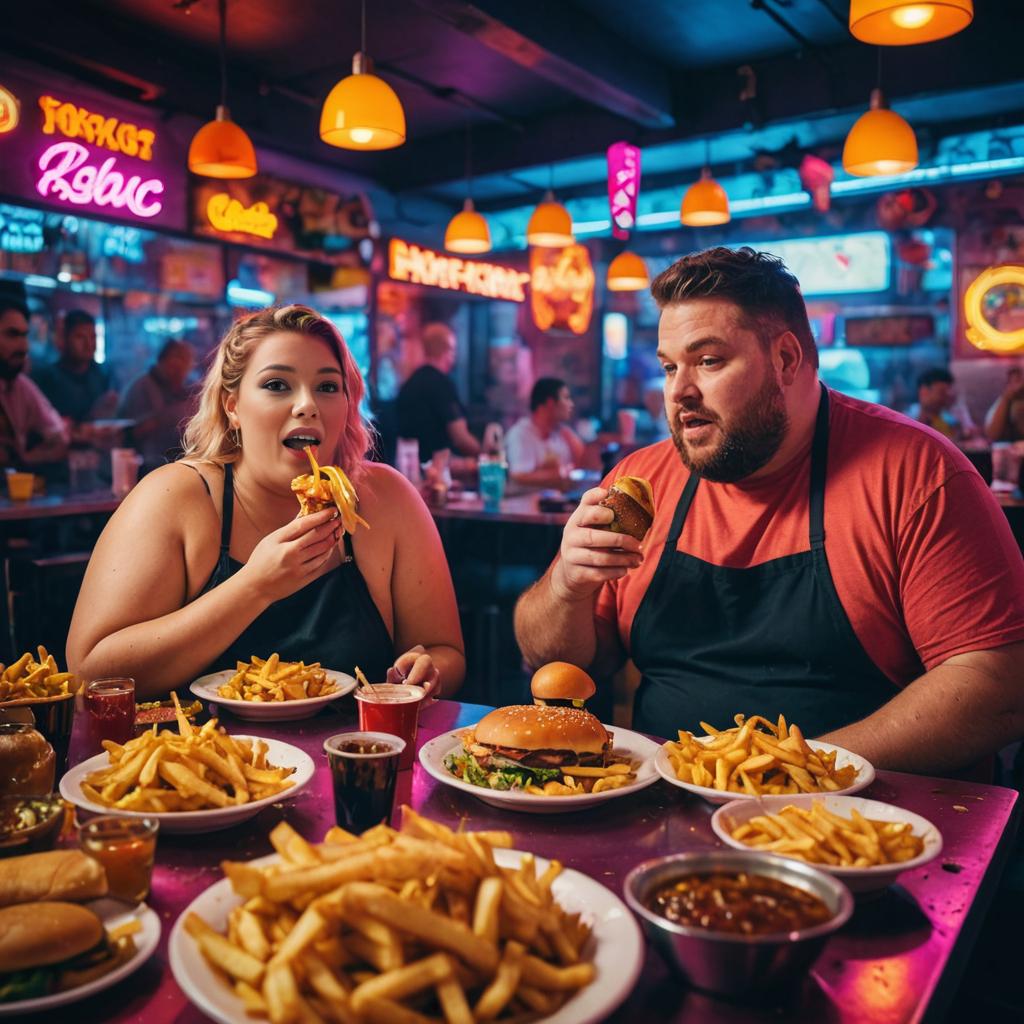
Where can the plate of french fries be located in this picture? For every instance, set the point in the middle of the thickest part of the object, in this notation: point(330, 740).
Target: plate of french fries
point(35, 678)
point(269, 689)
point(423, 924)
point(577, 788)
point(865, 843)
point(757, 758)
point(198, 779)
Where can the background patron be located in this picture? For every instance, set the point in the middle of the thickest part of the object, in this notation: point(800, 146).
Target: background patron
point(540, 448)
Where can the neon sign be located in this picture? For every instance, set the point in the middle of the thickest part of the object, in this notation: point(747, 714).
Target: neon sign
point(623, 186)
point(67, 176)
point(410, 263)
point(227, 214)
point(562, 288)
point(9, 111)
point(76, 122)
point(981, 292)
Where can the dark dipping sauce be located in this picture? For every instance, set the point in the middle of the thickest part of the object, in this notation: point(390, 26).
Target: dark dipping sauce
point(361, 747)
point(737, 903)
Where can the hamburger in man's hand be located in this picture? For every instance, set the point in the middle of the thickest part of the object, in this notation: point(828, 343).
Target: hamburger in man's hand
point(631, 500)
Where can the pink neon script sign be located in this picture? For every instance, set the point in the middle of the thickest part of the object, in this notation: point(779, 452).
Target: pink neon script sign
point(67, 176)
point(623, 186)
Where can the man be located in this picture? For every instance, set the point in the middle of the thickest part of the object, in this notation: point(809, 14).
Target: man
point(159, 401)
point(811, 554)
point(937, 406)
point(1005, 420)
point(77, 386)
point(429, 409)
point(540, 448)
point(31, 430)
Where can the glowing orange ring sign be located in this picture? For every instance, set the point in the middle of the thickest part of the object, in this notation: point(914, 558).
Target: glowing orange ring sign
point(980, 332)
point(9, 111)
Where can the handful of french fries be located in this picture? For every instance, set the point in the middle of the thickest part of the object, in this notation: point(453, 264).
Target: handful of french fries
point(579, 780)
point(756, 757)
point(275, 680)
point(194, 770)
point(818, 836)
point(36, 678)
point(391, 927)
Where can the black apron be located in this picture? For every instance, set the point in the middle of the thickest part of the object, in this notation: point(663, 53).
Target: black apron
point(332, 620)
point(711, 641)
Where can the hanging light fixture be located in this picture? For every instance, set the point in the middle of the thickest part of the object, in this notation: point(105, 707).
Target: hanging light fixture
point(468, 231)
point(221, 149)
point(705, 202)
point(550, 224)
point(880, 141)
point(900, 23)
point(627, 273)
point(362, 111)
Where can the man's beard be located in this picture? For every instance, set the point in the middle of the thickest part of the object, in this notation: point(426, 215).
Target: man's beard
point(746, 446)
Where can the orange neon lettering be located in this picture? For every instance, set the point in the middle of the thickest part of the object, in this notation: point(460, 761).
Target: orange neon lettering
point(227, 214)
point(408, 262)
point(76, 122)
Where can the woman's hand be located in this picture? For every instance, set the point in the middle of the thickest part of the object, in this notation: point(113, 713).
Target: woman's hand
point(417, 668)
point(289, 558)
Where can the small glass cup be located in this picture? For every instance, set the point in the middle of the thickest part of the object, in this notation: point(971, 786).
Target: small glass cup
point(492, 482)
point(392, 708)
point(20, 486)
point(364, 769)
point(126, 848)
point(109, 712)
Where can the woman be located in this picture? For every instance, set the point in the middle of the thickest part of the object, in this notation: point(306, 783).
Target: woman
point(206, 563)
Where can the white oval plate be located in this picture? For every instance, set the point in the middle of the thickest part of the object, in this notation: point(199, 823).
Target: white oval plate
point(112, 913)
point(624, 742)
point(736, 812)
point(281, 755)
point(205, 687)
point(865, 774)
point(615, 946)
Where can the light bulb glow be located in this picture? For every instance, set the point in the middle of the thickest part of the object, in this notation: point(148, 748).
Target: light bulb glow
point(913, 16)
point(361, 135)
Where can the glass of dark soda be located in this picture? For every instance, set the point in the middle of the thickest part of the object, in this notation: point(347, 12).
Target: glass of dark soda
point(364, 768)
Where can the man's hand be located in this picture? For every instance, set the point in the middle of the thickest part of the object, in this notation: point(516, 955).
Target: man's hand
point(591, 556)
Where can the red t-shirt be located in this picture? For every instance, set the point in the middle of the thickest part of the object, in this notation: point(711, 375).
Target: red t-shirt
point(921, 554)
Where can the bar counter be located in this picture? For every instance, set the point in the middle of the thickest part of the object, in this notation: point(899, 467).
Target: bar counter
point(898, 960)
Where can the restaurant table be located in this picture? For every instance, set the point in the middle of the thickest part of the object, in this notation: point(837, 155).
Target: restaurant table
point(50, 506)
point(899, 959)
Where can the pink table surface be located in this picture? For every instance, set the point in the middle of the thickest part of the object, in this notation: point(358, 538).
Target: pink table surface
point(898, 960)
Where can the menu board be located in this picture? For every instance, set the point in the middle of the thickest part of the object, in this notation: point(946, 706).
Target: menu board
point(877, 331)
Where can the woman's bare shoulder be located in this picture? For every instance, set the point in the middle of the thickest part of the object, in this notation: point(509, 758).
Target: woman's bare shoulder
point(382, 488)
point(171, 494)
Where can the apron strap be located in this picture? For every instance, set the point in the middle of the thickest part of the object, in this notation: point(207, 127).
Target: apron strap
point(819, 464)
point(227, 511)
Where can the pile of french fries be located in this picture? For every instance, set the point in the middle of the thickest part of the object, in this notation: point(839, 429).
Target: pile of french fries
point(756, 757)
point(36, 678)
point(193, 770)
point(580, 780)
point(394, 927)
point(275, 680)
point(820, 837)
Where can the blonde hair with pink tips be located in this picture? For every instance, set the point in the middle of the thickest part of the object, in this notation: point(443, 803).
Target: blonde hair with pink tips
point(208, 434)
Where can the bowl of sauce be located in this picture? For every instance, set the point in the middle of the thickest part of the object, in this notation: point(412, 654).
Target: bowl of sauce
point(734, 923)
point(30, 824)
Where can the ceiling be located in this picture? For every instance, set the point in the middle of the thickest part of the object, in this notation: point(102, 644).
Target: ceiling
point(532, 82)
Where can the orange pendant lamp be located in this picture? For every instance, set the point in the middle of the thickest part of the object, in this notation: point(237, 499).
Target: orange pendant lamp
point(880, 142)
point(362, 111)
point(627, 273)
point(468, 231)
point(550, 224)
point(705, 203)
point(903, 23)
point(221, 149)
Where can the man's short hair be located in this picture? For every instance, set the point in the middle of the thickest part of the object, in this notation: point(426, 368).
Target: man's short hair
point(434, 338)
point(77, 318)
point(757, 283)
point(544, 390)
point(9, 302)
point(936, 375)
point(171, 347)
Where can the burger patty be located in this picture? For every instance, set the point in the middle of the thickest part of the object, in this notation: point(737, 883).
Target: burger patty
point(542, 758)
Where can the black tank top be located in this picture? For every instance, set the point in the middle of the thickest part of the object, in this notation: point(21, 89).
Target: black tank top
point(332, 620)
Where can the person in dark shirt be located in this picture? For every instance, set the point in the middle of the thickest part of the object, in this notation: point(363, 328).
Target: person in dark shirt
point(429, 409)
point(77, 386)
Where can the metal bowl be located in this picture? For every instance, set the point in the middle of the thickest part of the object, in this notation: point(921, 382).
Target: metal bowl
point(737, 965)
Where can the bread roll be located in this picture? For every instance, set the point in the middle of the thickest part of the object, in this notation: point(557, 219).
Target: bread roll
point(57, 875)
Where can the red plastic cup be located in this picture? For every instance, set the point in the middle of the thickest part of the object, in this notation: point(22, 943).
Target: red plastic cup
point(393, 708)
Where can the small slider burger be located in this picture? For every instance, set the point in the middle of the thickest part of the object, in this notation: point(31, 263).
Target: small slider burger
point(631, 499)
point(561, 685)
point(525, 744)
point(326, 486)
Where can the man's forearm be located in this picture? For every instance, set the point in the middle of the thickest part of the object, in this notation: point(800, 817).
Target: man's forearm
point(995, 425)
point(948, 719)
point(550, 628)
